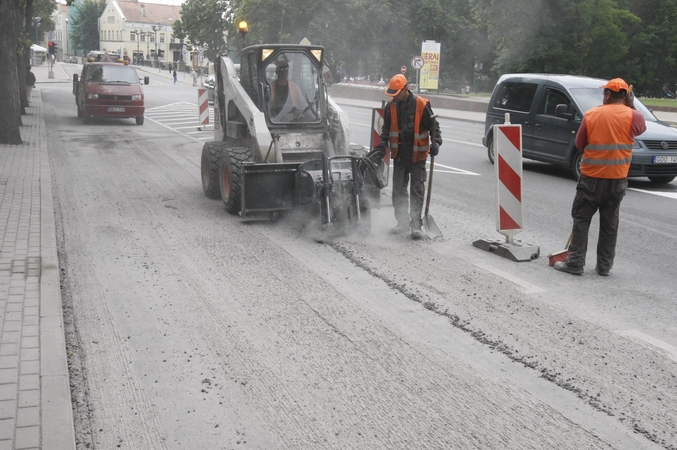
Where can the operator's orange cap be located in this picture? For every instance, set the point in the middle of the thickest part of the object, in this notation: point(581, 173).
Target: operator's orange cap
point(397, 83)
point(617, 85)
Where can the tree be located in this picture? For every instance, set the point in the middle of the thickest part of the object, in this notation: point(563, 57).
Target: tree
point(85, 25)
point(11, 18)
point(203, 23)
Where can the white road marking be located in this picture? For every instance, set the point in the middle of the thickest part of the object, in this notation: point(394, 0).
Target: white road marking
point(665, 349)
point(672, 195)
point(528, 287)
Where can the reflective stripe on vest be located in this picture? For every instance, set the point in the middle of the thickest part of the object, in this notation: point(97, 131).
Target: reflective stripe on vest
point(609, 150)
point(421, 145)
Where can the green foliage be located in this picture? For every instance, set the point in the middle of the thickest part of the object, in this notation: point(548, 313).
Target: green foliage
point(481, 39)
point(205, 23)
point(85, 25)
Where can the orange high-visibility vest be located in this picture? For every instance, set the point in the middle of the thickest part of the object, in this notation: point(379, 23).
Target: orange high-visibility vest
point(609, 150)
point(293, 92)
point(421, 140)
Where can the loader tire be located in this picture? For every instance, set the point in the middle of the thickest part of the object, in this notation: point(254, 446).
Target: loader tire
point(212, 153)
point(230, 177)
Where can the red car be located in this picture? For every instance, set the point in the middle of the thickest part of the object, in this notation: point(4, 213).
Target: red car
point(106, 89)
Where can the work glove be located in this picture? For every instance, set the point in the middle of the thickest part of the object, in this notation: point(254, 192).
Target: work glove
point(434, 149)
point(630, 98)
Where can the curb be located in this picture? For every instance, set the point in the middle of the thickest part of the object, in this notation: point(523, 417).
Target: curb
point(58, 429)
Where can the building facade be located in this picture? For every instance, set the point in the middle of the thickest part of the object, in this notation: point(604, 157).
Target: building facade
point(140, 32)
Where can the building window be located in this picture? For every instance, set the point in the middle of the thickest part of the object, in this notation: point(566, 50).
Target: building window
point(162, 38)
point(132, 37)
point(111, 19)
point(152, 38)
point(143, 38)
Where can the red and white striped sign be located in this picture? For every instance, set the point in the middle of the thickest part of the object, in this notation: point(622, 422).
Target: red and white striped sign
point(508, 151)
point(203, 106)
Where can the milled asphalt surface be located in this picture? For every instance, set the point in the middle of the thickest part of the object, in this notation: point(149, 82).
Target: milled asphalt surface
point(35, 398)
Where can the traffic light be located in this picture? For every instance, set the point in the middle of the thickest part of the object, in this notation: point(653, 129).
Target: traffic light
point(52, 47)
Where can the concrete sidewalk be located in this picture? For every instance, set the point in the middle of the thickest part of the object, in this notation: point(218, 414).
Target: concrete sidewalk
point(35, 397)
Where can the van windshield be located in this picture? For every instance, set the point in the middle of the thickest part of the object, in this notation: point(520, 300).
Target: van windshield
point(588, 98)
point(113, 74)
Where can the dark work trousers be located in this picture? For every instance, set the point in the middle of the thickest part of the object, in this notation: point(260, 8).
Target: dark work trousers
point(405, 171)
point(594, 194)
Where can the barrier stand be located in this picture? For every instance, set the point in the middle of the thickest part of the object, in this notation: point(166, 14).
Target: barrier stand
point(203, 109)
point(510, 210)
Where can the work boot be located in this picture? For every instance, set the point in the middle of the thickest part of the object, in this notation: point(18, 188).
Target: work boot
point(562, 266)
point(400, 228)
point(416, 235)
point(602, 272)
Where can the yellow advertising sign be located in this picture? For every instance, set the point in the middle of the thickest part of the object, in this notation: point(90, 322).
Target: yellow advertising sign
point(430, 72)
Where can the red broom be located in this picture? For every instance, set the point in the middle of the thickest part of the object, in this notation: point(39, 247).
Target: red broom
point(561, 255)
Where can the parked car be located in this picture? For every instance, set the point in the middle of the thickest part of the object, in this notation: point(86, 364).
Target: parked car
point(72, 60)
point(550, 109)
point(210, 83)
point(109, 90)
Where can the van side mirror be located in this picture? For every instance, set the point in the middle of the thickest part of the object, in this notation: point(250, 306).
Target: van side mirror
point(75, 78)
point(563, 112)
point(146, 80)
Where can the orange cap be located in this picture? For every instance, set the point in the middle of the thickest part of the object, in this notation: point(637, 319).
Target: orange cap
point(397, 83)
point(617, 85)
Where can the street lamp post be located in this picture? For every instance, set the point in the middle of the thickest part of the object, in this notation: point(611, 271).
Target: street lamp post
point(148, 35)
point(157, 57)
point(37, 21)
point(137, 36)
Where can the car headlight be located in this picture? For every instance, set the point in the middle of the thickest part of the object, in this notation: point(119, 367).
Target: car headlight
point(636, 145)
point(137, 97)
point(93, 96)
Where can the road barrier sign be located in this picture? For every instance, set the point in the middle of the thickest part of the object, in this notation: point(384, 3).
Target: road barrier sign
point(403, 69)
point(510, 210)
point(203, 106)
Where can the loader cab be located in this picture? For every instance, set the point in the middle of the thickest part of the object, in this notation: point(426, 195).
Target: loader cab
point(285, 82)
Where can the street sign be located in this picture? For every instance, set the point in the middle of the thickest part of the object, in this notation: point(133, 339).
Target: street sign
point(417, 63)
point(403, 69)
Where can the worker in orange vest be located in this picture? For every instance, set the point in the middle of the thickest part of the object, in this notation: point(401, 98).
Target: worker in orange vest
point(605, 137)
point(406, 125)
point(285, 95)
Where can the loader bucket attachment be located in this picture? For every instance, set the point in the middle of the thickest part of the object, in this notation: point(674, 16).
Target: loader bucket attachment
point(268, 188)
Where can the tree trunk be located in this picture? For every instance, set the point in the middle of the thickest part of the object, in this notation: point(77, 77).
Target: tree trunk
point(25, 60)
point(10, 113)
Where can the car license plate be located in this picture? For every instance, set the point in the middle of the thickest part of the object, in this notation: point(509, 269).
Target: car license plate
point(664, 159)
point(114, 109)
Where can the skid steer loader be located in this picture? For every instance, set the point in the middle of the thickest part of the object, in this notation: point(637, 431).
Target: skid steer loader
point(281, 143)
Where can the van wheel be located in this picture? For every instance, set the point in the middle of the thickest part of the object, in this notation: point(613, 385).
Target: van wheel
point(576, 162)
point(661, 180)
point(490, 149)
point(139, 120)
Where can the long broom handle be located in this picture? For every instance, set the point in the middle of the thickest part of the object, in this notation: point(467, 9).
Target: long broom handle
point(433, 134)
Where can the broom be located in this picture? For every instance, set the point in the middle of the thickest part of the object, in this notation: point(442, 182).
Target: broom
point(561, 255)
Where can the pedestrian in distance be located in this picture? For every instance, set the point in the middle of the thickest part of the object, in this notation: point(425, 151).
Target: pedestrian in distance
point(170, 67)
point(193, 74)
point(605, 137)
point(174, 74)
point(406, 130)
point(30, 83)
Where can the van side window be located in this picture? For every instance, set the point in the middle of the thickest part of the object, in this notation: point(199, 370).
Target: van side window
point(515, 96)
point(551, 99)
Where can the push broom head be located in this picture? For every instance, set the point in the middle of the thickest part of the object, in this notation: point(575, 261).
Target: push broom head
point(559, 256)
